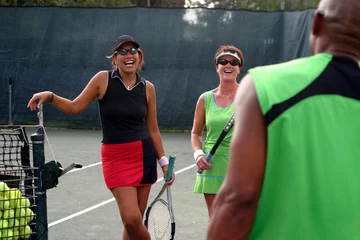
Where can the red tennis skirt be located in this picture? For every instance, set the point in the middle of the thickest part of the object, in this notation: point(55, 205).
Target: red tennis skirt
point(129, 164)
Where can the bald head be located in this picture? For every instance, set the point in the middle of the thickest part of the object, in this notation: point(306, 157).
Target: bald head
point(342, 15)
point(338, 28)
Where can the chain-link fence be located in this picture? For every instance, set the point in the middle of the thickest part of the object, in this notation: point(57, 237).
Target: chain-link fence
point(253, 5)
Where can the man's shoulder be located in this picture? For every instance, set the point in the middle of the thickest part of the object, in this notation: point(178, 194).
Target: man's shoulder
point(291, 69)
point(284, 65)
point(277, 83)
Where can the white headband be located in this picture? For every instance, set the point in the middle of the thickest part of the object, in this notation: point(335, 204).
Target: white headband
point(236, 55)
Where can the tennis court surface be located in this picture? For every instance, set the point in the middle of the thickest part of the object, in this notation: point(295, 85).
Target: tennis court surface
point(82, 208)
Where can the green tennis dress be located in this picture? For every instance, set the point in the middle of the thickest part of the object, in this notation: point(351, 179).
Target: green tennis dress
point(216, 118)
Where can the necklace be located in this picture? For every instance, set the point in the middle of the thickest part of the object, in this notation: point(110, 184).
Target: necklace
point(128, 85)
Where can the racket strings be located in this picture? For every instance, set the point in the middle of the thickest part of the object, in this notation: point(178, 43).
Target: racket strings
point(159, 221)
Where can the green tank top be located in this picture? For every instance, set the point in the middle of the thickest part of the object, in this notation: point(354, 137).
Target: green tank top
point(311, 187)
point(216, 119)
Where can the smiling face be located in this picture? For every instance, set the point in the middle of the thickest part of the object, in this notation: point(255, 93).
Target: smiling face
point(228, 72)
point(127, 59)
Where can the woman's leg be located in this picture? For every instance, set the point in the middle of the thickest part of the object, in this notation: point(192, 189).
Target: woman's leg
point(209, 199)
point(143, 196)
point(129, 200)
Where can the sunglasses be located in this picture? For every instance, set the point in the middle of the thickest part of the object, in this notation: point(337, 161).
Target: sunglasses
point(124, 51)
point(233, 62)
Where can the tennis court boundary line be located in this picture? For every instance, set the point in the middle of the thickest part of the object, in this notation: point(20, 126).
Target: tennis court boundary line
point(84, 167)
point(106, 202)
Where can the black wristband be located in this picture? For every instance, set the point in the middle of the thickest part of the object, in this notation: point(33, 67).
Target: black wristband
point(50, 99)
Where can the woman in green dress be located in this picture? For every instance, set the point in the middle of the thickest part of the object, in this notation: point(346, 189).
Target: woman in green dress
point(213, 109)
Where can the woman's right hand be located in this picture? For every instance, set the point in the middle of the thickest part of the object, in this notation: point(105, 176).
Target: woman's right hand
point(38, 99)
point(165, 172)
point(202, 164)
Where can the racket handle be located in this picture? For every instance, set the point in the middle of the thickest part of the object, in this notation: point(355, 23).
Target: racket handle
point(208, 158)
point(170, 167)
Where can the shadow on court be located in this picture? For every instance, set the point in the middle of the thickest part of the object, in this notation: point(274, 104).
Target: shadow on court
point(82, 208)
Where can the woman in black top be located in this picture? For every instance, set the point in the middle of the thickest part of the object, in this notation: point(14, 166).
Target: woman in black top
point(131, 141)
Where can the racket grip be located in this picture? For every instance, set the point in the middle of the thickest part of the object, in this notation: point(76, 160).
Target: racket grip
point(170, 167)
point(208, 158)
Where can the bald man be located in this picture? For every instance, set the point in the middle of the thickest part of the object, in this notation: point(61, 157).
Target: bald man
point(294, 168)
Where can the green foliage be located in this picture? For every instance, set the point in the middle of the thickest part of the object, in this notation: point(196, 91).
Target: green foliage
point(301, 4)
point(253, 5)
point(69, 3)
point(107, 3)
point(6, 2)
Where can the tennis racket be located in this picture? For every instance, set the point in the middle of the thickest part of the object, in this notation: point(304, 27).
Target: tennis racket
point(159, 217)
point(223, 134)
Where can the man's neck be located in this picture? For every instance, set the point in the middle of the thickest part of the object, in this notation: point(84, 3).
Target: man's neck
point(345, 47)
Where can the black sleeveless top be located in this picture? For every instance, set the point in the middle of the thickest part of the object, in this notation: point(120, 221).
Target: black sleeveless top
point(123, 111)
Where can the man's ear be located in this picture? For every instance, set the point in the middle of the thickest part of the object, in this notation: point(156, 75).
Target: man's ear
point(317, 24)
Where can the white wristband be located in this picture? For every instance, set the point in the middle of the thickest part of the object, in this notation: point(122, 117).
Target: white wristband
point(163, 161)
point(198, 153)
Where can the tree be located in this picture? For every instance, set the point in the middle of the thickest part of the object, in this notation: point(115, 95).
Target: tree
point(255, 5)
point(159, 3)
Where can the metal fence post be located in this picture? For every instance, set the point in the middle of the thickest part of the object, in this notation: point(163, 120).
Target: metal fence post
point(282, 5)
point(10, 100)
point(39, 162)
